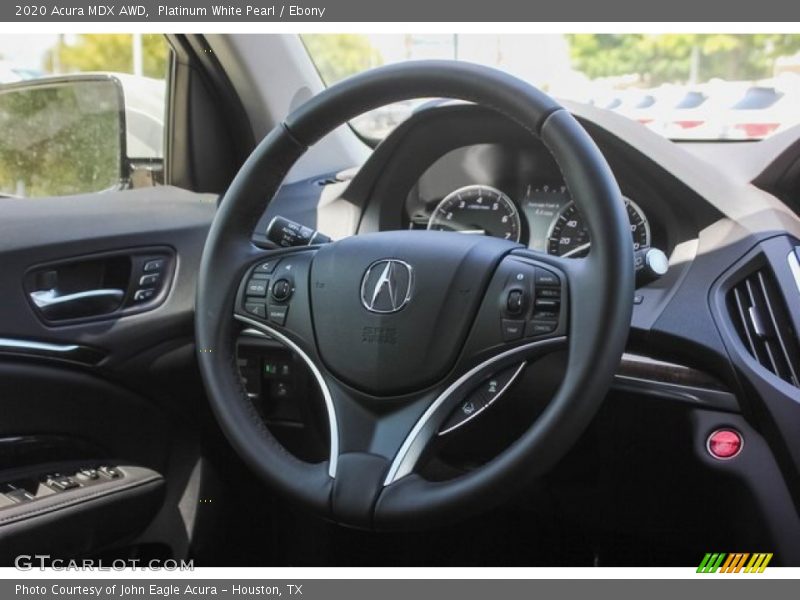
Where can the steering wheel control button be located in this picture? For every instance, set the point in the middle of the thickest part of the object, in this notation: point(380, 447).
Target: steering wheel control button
point(485, 394)
point(536, 328)
point(545, 315)
point(282, 290)
point(465, 411)
point(515, 304)
point(546, 278)
point(513, 329)
point(725, 444)
point(258, 309)
point(546, 304)
point(268, 266)
point(257, 287)
point(153, 265)
point(277, 314)
point(544, 292)
point(530, 302)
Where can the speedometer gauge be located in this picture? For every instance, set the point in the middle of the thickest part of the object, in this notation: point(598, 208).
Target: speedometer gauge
point(569, 235)
point(478, 210)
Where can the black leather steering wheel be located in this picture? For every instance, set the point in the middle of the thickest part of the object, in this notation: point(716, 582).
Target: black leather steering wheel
point(399, 328)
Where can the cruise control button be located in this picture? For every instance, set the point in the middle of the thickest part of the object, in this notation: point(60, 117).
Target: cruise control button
point(535, 328)
point(513, 329)
point(258, 309)
point(277, 314)
point(547, 304)
point(548, 293)
point(545, 315)
point(546, 278)
point(257, 287)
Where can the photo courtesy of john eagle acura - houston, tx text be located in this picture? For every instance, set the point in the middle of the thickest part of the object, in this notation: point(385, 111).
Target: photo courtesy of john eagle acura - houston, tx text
point(399, 300)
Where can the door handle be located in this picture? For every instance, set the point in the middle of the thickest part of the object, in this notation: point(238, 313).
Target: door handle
point(46, 298)
point(78, 304)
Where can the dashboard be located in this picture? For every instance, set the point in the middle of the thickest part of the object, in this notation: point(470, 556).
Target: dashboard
point(464, 168)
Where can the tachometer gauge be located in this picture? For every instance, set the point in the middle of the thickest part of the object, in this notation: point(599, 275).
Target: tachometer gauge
point(569, 235)
point(478, 210)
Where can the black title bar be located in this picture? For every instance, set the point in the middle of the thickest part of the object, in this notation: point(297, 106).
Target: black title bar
point(441, 11)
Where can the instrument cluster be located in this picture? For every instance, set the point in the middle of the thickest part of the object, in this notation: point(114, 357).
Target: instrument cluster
point(543, 216)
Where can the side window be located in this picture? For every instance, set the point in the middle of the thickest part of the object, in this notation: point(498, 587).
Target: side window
point(81, 113)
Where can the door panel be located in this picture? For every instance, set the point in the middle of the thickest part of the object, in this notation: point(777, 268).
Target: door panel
point(42, 231)
point(98, 382)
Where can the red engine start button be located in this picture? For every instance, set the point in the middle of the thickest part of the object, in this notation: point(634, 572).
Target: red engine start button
point(725, 444)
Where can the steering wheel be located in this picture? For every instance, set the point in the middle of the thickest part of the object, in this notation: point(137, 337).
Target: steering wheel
point(403, 329)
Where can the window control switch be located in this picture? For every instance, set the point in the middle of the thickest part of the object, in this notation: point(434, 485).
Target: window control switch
point(88, 473)
point(151, 279)
point(62, 483)
point(20, 495)
point(110, 472)
point(144, 294)
point(154, 265)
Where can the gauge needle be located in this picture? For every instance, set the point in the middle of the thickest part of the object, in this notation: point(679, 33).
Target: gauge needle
point(576, 250)
point(472, 231)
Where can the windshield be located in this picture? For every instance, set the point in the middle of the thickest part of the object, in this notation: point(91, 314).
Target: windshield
point(681, 86)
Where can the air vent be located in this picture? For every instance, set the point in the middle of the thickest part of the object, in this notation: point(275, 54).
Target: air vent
point(761, 319)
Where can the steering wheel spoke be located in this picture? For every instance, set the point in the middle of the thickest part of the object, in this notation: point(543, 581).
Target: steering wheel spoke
point(273, 292)
point(518, 314)
point(273, 299)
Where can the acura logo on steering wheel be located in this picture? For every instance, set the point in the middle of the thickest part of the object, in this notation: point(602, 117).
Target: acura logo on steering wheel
point(386, 287)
